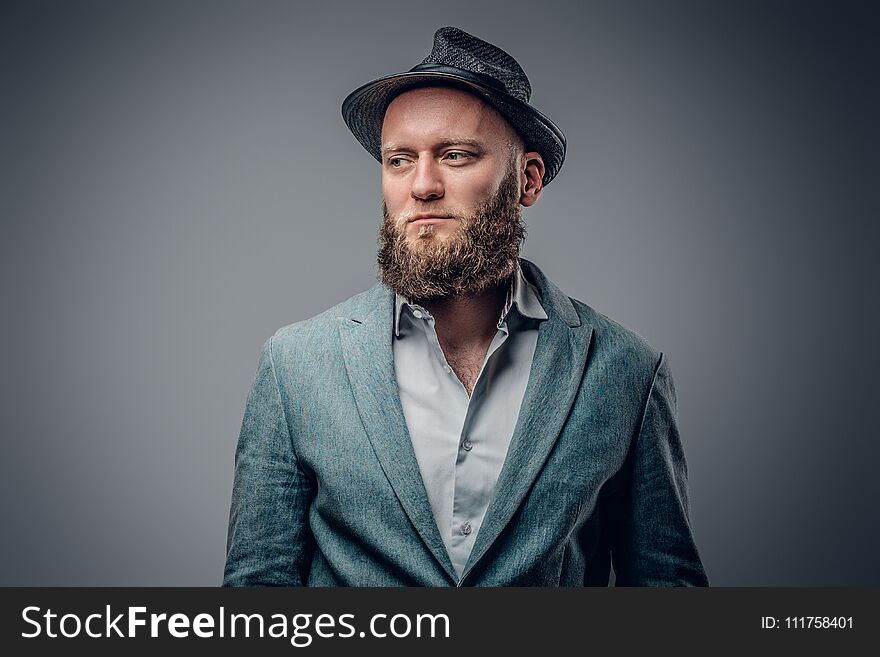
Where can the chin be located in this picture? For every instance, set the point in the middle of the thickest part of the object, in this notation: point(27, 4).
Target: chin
point(435, 234)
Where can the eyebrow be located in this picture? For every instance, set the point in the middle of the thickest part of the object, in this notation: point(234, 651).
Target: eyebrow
point(444, 143)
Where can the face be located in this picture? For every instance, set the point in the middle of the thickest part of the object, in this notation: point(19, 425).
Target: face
point(451, 181)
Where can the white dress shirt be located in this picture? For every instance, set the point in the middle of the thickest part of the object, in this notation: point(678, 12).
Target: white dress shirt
point(461, 442)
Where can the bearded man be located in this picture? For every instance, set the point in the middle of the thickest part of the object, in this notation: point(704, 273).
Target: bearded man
point(463, 422)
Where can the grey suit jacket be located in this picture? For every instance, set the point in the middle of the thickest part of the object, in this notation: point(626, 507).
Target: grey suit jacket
point(327, 489)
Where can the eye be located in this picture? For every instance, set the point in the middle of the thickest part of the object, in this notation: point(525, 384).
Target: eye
point(395, 162)
point(457, 156)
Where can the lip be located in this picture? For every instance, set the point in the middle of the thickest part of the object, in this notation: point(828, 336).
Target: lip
point(422, 219)
point(427, 218)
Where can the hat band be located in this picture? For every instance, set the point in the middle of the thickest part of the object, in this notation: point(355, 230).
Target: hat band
point(479, 78)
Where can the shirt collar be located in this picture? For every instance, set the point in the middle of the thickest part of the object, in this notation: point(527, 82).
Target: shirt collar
point(520, 295)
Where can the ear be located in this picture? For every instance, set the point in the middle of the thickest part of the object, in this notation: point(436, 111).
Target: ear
point(532, 176)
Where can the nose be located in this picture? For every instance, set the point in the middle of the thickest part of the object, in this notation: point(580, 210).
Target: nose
point(427, 185)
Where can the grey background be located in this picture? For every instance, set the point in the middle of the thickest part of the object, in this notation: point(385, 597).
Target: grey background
point(177, 183)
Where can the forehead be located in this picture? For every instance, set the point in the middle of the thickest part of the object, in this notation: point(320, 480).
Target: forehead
point(421, 116)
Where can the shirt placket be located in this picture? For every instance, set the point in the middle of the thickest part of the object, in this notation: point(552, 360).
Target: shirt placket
point(467, 515)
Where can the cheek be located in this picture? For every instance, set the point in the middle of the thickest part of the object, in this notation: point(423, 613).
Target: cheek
point(394, 194)
point(477, 188)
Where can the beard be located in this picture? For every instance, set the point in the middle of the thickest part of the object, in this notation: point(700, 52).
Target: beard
point(482, 252)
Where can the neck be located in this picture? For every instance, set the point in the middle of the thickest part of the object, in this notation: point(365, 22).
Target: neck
point(463, 322)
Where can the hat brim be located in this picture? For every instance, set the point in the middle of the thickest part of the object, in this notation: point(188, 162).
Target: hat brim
point(363, 111)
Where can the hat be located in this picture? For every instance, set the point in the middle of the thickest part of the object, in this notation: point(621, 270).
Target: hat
point(462, 60)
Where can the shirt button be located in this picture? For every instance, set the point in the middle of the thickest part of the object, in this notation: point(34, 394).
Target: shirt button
point(467, 444)
point(466, 528)
point(417, 314)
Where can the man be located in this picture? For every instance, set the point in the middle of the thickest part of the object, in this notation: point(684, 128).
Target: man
point(463, 422)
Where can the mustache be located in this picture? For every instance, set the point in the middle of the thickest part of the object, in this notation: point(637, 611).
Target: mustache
point(409, 216)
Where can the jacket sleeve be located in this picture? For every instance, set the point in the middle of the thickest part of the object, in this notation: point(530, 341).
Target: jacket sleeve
point(269, 540)
point(652, 541)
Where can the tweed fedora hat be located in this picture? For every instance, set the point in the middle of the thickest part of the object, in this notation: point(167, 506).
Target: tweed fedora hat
point(464, 61)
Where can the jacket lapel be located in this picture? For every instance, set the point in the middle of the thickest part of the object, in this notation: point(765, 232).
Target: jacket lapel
point(366, 346)
point(554, 379)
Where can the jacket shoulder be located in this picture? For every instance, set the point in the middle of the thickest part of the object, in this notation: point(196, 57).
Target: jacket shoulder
point(613, 341)
point(610, 340)
point(311, 335)
point(351, 307)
